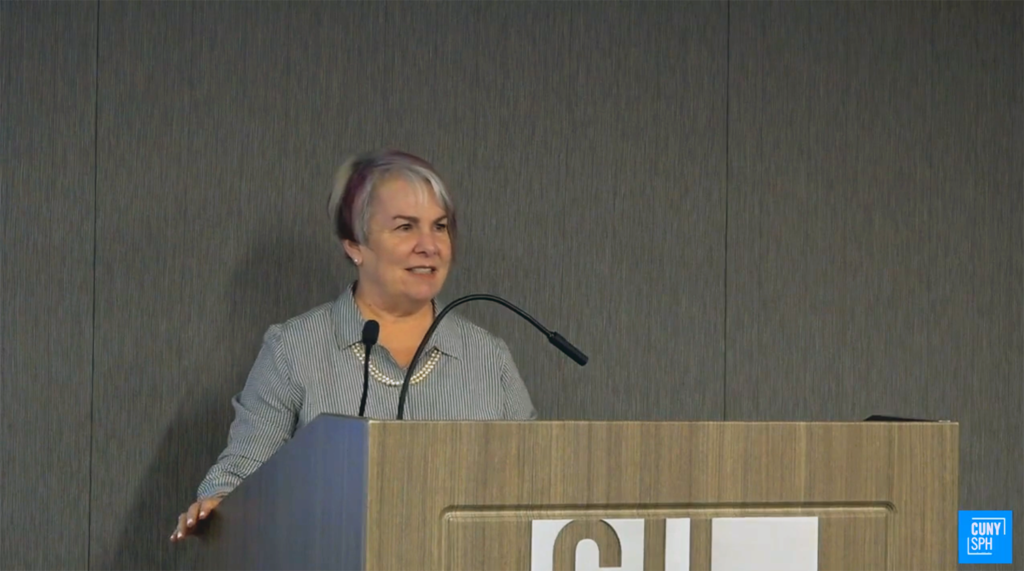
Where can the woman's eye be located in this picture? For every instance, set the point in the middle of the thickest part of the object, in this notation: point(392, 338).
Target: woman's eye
point(405, 227)
point(442, 226)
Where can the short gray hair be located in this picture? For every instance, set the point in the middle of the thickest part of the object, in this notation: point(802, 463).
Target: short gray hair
point(356, 183)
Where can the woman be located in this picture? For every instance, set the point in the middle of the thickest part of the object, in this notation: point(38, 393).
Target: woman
point(396, 222)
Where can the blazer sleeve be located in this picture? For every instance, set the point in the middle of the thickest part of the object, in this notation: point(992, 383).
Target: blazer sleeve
point(266, 413)
point(518, 405)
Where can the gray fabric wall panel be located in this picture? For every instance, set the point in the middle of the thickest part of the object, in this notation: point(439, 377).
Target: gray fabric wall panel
point(855, 209)
point(493, 116)
point(220, 129)
point(991, 460)
point(875, 240)
point(141, 461)
point(860, 251)
point(48, 96)
point(643, 258)
point(579, 200)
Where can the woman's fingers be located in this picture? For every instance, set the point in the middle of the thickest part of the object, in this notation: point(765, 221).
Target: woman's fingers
point(181, 530)
point(206, 506)
point(192, 516)
point(198, 511)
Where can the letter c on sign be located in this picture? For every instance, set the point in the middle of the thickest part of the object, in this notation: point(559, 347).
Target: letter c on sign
point(587, 545)
point(974, 528)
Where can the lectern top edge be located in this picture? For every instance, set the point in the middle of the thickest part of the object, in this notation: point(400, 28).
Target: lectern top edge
point(873, 419)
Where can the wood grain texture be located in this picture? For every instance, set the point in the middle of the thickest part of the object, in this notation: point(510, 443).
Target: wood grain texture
point(478, 485)
point(47, 185)
point(924, 460)
point(462, 495)
point(220, 129)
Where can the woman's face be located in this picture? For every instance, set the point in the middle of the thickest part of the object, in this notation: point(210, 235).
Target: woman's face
point(408, 250)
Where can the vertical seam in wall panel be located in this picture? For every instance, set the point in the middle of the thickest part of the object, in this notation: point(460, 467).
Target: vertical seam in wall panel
point(571, 93)
point(576, 33)
point(389, 69)
point(973, 169)
point(190, 96)
point(725, 247)
point(95, 217)
point(5, 293)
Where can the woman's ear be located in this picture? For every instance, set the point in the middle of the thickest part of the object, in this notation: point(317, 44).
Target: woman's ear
point(353, 251)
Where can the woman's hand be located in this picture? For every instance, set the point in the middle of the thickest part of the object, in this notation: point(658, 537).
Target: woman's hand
point(197, 511)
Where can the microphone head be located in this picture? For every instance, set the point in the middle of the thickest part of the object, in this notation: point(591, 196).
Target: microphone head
point(568, 348)
point(371, 330)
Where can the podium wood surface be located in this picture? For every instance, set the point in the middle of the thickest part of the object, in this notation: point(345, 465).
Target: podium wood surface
point(356, 494)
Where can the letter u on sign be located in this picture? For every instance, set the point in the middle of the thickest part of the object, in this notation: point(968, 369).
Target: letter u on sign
point(752, 544)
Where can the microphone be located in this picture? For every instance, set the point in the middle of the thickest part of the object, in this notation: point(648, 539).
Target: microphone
point(371, 330)
point(556, 339)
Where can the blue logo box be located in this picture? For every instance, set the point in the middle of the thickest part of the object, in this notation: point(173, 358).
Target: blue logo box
point(985, 536)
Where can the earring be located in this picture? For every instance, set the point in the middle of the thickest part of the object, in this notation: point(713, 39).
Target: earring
point(355, 261)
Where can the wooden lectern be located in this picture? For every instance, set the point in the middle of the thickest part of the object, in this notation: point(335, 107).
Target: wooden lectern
point(350, 493)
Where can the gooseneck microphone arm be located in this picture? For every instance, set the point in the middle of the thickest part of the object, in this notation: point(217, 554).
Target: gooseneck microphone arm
point(371, 330)
point(554, 338)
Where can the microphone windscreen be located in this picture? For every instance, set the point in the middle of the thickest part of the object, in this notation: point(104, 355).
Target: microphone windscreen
point(371, 330)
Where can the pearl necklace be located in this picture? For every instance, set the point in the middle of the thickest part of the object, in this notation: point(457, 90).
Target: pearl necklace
point(379, 375)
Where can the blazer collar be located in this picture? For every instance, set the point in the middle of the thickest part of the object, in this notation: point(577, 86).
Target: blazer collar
point(349, 321)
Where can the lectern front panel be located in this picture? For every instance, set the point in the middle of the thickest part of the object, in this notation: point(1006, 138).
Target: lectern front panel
point(348, 493)
point(681, 538)
point(674, 496)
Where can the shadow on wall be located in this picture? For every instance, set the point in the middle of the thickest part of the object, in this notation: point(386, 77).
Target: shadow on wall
point(278, 280)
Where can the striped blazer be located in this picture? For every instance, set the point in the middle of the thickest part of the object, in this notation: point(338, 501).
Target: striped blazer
point(312, 364)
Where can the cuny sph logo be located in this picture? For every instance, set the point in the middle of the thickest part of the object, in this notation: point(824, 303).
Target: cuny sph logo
point(985, 536)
